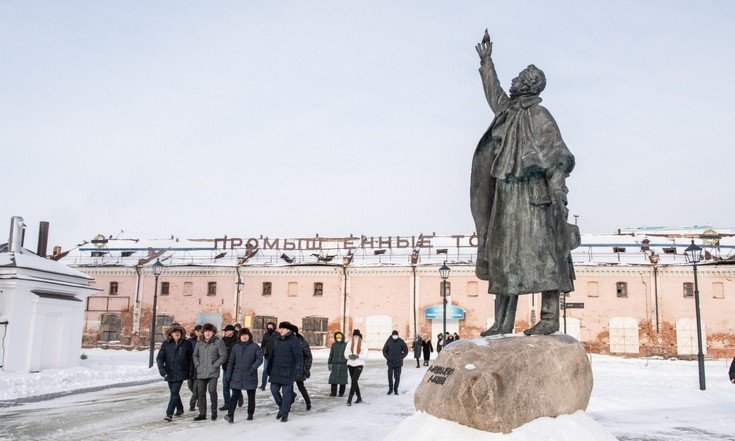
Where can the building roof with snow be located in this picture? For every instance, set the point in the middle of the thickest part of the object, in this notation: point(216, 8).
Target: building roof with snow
point(627, 247)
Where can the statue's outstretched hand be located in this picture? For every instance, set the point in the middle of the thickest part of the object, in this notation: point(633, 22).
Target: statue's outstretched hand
point(485, 48)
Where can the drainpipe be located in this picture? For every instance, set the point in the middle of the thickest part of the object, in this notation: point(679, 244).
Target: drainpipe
point(136, 310)
point(415, 330)
point(344, 300)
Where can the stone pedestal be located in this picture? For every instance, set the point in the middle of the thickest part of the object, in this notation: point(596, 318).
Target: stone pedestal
point(499, 383)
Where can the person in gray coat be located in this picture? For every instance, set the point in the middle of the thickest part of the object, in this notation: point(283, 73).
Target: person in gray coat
point(418, 346)
point(210, 353)
point(242, 372)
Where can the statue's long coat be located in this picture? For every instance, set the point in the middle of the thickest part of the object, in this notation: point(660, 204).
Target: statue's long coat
point(518, 197)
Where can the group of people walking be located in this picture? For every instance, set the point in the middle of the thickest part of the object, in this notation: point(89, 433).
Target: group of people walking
point(442, 340)
point(284, 354)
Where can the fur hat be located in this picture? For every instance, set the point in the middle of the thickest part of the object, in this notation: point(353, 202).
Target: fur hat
point(356, 332)
point(209, 327)
point(175, 327)
point(229, 328)
point(245, 331)
point(288, 325)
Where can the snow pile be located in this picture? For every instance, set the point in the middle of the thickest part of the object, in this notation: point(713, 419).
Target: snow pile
point(577, 427)
point(101, 368)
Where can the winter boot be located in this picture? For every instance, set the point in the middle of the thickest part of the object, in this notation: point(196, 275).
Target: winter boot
point(509, 315)
point(229, 419)
point(168, 418)
point(500, 305)
point(250, 417)
point(214, 415)
point(200, 417)
point(279, 415)
point(549, 322)
point(284, 418)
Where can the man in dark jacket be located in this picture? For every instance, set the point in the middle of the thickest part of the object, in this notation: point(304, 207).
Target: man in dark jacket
point(210, 353)
point(301, 378)
point(286, 362)
point(732, 371)
point(192, 381)
point(174, 364)
point(230, 338)
point(266, 345)
point(394, 351)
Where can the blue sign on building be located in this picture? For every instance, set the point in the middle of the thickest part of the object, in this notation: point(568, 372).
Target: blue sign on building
point(437, 312)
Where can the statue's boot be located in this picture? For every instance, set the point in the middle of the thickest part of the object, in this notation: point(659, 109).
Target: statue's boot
point(549, 322)
point(501, 305)
point(509, 317)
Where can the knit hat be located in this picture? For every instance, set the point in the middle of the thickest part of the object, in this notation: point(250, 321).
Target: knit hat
point(229, 328)
point(198, 327)
point(245, 331)
point(394, 332)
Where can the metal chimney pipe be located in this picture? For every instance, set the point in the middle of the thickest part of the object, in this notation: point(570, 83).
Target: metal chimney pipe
point(42, 238)
point(15, 241)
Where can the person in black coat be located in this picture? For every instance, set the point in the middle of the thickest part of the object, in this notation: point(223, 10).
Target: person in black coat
point(301, 378)
point(266, 345)
point(732, 371)
point(230, 338)
point(192, 381)
point(174, 365)
point(428, 349)
point(242, 372)
point(394, 351)
point(439, 342)
point(287, 361)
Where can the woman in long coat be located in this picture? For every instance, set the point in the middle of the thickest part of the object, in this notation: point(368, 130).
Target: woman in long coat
point(418, 346)
point(337, 365)
point(428, 349)
point(242, 372)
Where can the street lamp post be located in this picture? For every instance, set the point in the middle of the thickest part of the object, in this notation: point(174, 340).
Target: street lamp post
point(693, 254)
point(444, 273)
point(653, 258)
point(239, 284)
point(157, 270)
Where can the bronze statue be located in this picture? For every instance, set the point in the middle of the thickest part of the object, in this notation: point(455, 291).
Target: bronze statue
point(518, 198)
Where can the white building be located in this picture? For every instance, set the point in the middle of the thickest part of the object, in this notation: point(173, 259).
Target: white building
point(42, 306)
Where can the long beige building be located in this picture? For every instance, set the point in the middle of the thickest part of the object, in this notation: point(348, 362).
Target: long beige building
point(634, 292)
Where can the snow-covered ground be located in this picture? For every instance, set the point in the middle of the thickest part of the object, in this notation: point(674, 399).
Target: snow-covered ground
point(101, 368)
point(634, 399)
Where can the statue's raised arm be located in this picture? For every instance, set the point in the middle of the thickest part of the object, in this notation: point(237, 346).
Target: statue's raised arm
point(496, 96)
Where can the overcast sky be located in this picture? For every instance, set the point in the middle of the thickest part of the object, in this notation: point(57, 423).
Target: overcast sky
point(291, 118)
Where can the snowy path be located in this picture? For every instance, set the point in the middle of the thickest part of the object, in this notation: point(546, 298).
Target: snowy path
point(137, 413)
point(635, 399)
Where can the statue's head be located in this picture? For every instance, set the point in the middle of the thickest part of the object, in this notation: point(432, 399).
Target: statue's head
point(531, 81)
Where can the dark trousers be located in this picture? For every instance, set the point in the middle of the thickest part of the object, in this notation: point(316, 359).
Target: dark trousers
point(283, 401)
point(236, 395)
point(394, 377)
point(207, 384)
point(265, 373)
point(355, 372)
point(304, 393)
point(418, 364)
point(342, 388)
point(174, 400)
point(225, 388)
point(194, 388)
